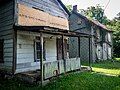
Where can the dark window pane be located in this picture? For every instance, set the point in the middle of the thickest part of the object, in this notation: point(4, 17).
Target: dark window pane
point(38, 54)
point(37, 45)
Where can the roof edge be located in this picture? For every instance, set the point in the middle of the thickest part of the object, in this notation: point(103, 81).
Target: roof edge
point(64, 7)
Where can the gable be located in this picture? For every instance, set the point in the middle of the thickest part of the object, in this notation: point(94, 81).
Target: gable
point(78, 24)
point(52, 7)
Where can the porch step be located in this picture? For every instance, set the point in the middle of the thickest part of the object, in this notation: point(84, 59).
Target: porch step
point(29, 77)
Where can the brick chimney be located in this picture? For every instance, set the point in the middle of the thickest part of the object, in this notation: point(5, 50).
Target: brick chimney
point(75, 8)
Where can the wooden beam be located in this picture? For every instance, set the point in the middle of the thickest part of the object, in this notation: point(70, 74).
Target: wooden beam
point(41, 58)
point(79, 50)
point(63, 52)
point(14, 51)
point(79, 47)
point(14, 41)
point(49, 30)
point(89, 51)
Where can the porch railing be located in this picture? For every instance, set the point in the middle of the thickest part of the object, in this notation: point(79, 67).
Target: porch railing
point(53, 68)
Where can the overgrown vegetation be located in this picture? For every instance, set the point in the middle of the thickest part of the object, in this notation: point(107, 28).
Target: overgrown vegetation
point(96, 80)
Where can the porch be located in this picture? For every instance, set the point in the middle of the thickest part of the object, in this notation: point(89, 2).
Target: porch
point(48, 54)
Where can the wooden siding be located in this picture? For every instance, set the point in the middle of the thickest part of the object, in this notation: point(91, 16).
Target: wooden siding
point(26, 47)
point(78, 24)
point(105, 51)
point(99, 52)
point(109, 52)
point(6, 33)
point(25, 52)
point(102, 38)
point(50, 6)
point(39, 18)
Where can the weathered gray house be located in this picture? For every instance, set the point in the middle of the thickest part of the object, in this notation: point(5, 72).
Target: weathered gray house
point(34, 36)
point(100, 42)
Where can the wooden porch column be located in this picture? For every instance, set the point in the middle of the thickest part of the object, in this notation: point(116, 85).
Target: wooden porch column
point(63, 57)
point(79, 50)
point(89, 51)
point(79, 46)
point(41, 58)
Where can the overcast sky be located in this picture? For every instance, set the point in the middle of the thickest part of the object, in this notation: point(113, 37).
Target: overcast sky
point(112, 9)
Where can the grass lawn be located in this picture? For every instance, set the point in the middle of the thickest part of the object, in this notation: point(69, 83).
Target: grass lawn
point(118, 59)
point(107, 67)
point(97, 80)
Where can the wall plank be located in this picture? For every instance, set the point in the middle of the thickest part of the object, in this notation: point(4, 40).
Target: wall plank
point(6, 30)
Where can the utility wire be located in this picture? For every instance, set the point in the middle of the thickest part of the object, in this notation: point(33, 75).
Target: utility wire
point(106, 5)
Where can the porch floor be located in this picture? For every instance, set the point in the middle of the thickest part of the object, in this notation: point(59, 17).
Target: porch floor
point(34, 76)
point(30, 76)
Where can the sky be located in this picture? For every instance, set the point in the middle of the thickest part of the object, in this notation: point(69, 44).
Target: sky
point(111, 11)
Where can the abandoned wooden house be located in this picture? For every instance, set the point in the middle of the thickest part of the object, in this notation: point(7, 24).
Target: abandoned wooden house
point(101, 41)
point(34, 37)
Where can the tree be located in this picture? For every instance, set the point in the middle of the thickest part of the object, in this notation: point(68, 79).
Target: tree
point(69, 7)
point(115, 25)
point(96, 13)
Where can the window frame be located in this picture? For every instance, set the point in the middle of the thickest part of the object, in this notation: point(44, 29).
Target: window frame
point(37, 40)
point(36, 58)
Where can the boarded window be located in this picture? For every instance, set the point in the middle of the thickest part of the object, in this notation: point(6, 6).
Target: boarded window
point(1, 51)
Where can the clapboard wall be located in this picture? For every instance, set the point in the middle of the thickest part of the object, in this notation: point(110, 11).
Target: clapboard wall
point(26, 60)
point(6, 33)
point(50, 6)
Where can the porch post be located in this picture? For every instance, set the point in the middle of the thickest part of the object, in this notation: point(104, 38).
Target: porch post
point(89, 51)
point(79, 50)
point(63, 57)
point(79, 46)
point(41, 58)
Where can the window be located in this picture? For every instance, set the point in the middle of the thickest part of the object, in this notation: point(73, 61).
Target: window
point(38, 49)
point(1, 51)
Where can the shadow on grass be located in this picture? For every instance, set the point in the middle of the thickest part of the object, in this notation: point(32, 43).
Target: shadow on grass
point(15, 84)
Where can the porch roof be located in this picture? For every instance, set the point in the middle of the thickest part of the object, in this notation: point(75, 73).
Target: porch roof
point(51, 30)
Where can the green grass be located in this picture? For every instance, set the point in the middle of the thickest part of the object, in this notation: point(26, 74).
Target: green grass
point(85, 81)
point(97, 80)
point(118, 59)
